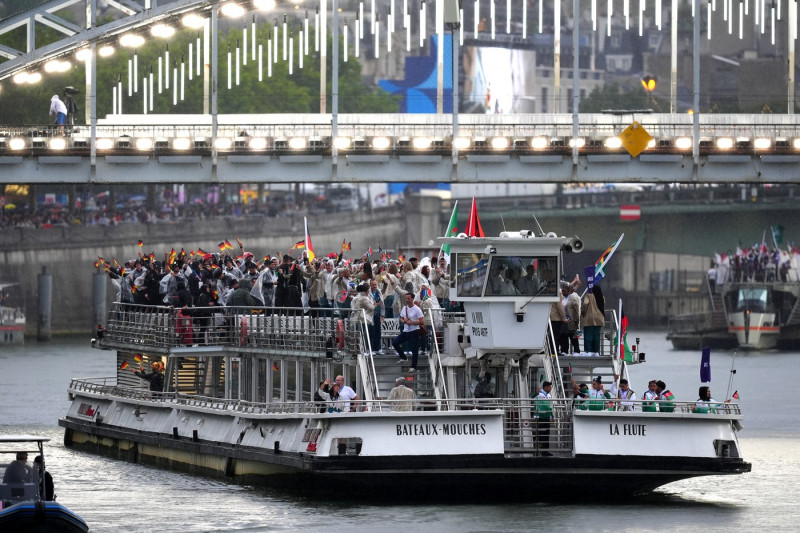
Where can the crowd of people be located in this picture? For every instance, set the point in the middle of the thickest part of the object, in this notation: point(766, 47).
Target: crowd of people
point(757, 263)
point(377, 284)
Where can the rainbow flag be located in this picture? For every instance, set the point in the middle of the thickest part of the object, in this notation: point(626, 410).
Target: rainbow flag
point(602, 261)
point(124, 365)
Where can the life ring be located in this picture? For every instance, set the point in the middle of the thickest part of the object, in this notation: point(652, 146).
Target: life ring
point(243, 332)
point(340, 333)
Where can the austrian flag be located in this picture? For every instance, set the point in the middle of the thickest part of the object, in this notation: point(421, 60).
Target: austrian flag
point(630, 212)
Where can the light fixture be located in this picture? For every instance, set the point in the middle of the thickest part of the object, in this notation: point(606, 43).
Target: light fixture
point(34, 77)
point(421, 143)
point(264, 5)
point(381, 143)
point(193, 20)
point(232, 10)
point(104, 144)
point(342, 143)
point(20, 78)
point(581, 142)
point(84, 54)
point(181, 143)
point(612, 143)
point(131, 40)
point(461, 143)
point(538, 143)
point(683, 143)
point(144, 144)
point(297, 143)
point(106, 51)
point(499, 143)
point(54, 65)
point(762, 143)
point(223, 143)
point(258, 143)
point(724, 143)
point(796, 144)
point(164, 31)
point(58, 143)
point(16, 143)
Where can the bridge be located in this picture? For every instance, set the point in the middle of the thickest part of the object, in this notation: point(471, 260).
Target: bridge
point(330, 147)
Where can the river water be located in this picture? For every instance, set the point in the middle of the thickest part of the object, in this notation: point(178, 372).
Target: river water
point(115, 496)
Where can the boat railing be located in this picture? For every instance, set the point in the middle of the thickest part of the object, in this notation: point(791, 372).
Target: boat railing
point(330, 333)
point(434, 318)
point(562, 409)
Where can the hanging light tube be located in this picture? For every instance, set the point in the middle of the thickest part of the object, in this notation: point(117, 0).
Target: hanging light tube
point(772, 24)
point(316, 29)
point(269, 56)
point(361, 13)
point(407, 17)
point(230, 68)
point(253, 38)
point(199, 62)
point(422, 18)
point(356, 37)
point(508, 16)
point(626, 12)
point(183, 94)
point(275, 43)
point(238, 61)
point(160, 74)
point(191, 62)
point(135, 72)
point(166, 67)
point(151, 87)
point(594, 15)
point(175, 85)
point(144, 100)
point(741, 19)
point(300, 48)
point(491, 16)
point(461, 28)
point(658, 13)
point(388, 34)
point(610, 9)
point(305, 50)
point(708, 25)
point(377, 27)
point(291, 55)
point(374, 22)
point(114, 100)
point(244, 44)
point(285, 39)
point(260, 61)
point(541, 16)
point(476, 17)
point(130, 75)
point(524, 19)
point(641, 16)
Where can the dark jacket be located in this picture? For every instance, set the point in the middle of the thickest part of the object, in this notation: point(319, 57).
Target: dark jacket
point(156, 380)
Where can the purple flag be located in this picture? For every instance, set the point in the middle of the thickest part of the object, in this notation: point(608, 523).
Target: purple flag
point(589, 273)
point(705, 365)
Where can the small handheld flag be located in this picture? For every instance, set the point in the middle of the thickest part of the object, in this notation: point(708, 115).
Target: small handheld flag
point(124, 365)
point(137, 357)
point(275, 367)
point(140, 243)
point(736, 395)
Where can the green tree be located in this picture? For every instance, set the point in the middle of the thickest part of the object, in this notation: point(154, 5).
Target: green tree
point(614, 97)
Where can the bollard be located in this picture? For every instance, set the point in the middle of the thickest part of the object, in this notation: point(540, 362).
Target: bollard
point(45, 286)
point(99, 288)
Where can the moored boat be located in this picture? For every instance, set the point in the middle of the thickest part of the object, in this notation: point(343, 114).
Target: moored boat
point(27, 502)
point(12, 314)
point(763, 315)
point(239, 384)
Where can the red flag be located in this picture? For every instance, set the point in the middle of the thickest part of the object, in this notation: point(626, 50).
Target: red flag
point(736, 395)
point(275, 367)
point(474, 228)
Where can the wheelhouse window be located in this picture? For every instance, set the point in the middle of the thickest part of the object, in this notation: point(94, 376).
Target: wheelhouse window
point(753, 299)
point(506, 275)
point(516, 275)
point(471, 272)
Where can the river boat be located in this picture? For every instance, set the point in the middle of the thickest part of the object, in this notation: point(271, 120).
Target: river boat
point(763, 314)
point(239, 397)
point(12, 314)
point(695, 331)
point(22, 507)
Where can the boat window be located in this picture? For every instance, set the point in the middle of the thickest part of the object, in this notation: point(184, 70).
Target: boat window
point(518, 275)
point(754, 299)
point(471, 273)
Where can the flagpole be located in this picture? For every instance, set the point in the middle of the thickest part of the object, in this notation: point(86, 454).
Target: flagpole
point(730, 377)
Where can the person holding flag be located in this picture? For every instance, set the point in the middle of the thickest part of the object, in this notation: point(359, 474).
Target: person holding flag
point(593, 318)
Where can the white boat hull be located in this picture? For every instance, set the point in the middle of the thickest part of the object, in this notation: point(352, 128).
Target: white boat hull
point(755, 331)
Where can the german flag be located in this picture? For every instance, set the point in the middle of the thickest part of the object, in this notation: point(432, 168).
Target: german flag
point(346, 245)
point(140, 243)
point(172, 255)
point(221, 246)
point(299, 245)
point(137, 357)
point(228, 244)
point(124, 365)
point(203, 253)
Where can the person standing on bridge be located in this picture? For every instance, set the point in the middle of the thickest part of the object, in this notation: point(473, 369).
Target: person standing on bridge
point(59, 110)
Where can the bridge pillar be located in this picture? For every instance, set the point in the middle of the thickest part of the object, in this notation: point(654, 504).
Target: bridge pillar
point(45, 286)
point(423, 219)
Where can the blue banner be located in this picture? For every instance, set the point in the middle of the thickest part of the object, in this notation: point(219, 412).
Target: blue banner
point(705, 365)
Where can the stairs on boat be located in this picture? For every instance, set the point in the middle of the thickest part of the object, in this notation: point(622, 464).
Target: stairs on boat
point(794, 316)
point(387, 370)
point(718, 316)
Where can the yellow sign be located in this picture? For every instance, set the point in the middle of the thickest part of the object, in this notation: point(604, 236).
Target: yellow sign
point(635, 139)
